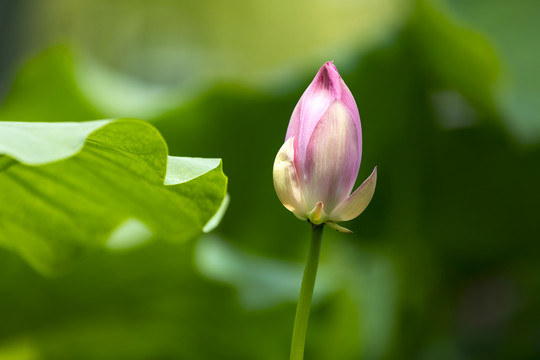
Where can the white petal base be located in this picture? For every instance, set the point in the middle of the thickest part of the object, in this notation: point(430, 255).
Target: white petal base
point(286, 180)
point(357, 202)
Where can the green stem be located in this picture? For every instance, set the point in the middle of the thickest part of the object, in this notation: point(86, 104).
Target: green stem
point(306, 293)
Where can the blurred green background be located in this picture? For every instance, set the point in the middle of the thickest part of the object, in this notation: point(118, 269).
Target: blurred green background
point(442, 265)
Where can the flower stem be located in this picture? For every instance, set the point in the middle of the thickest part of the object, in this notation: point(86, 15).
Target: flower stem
point(306, 293)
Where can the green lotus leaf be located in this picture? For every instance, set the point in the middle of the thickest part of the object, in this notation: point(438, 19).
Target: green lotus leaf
point(66, 187)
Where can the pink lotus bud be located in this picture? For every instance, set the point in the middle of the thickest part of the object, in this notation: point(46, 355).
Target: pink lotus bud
point(316, 168)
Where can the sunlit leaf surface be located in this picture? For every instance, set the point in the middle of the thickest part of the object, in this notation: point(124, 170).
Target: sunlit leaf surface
point(67, 186)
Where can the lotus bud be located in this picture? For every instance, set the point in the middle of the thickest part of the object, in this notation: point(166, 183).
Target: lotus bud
point(316, 168)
